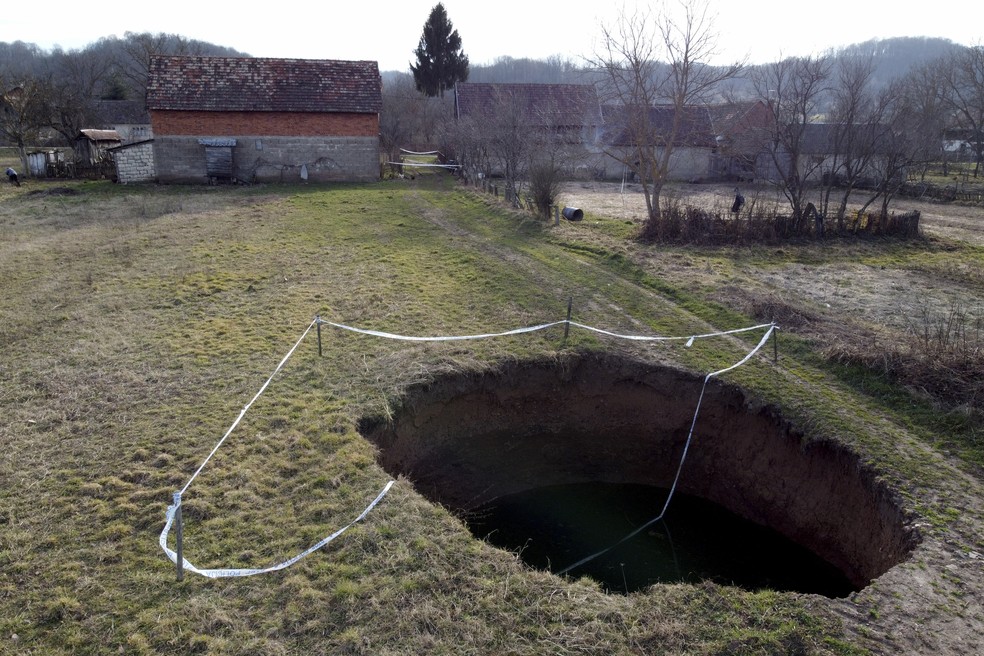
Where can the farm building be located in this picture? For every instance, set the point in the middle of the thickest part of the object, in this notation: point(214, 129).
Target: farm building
point(134, 162)
point(836, 151)
point(565, 116)
point(743, 134)
point(244, 119)
point(693, 141)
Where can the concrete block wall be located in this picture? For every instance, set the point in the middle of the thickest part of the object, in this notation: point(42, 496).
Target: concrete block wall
point(181, 159)
point(270, 146)
point(135, 163)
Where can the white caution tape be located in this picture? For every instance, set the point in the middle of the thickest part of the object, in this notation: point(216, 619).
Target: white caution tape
point(518, 331)
point(445, 338)
point(423, 165)
point(683, 458)
point(226, 572)
point(218, 573)
point(650, 338)
point(246, 407)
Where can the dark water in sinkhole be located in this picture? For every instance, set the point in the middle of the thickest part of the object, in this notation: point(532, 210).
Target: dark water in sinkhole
point(555, 527)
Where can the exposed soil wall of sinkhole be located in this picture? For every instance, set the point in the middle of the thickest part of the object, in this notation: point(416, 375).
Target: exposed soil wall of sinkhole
point(466, 439)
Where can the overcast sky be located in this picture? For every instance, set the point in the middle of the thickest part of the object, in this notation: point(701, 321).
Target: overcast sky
point(388, 32)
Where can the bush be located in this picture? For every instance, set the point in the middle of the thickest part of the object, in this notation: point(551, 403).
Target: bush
point(544, 186)
point(693, 225)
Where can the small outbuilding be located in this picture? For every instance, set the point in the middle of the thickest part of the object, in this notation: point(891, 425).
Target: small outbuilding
point(134, 162)
point(91, 147)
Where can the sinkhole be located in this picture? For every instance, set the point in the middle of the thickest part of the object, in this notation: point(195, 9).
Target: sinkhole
point(560, 460)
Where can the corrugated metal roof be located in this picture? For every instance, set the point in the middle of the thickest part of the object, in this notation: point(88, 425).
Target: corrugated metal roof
point(100, 135)
point(263, 85)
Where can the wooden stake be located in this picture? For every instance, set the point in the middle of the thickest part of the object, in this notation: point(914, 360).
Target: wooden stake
point(567, 326)
point(775, 343)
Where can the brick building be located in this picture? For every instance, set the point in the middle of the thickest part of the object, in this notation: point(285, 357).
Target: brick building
point(262, 120)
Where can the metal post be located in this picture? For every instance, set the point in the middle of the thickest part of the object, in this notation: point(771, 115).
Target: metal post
point(775, 343)
point(567, 324)
point(179, 533)
point(317, 320)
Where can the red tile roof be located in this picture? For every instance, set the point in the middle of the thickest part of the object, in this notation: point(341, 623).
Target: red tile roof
point(242, 84)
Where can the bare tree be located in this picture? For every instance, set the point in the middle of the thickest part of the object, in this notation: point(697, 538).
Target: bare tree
point(139, 48)
point(77, 78)
point(397, 119)
point(901, 143)
point(25, 110)
point(862, 135)
point(963, 75)
point(510, 135)
point(926, 117)
point(651, 59)
point(794, 88)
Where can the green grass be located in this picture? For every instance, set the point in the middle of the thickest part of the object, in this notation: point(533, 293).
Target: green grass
point(137, 322)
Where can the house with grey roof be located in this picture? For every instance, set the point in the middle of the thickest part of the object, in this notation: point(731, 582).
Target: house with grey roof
point(690, 137)
point(264, 120)
point(128, 118)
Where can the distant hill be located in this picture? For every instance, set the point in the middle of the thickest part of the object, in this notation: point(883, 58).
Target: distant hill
point(892, 58)
point(895, 57)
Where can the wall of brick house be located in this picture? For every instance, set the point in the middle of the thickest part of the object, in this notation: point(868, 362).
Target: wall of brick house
point(181, 159)
point(135, 163)
point(283, 124)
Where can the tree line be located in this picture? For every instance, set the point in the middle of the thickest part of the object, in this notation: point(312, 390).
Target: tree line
point(58, 91)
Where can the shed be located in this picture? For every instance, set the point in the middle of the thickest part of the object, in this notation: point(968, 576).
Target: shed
point(566, 109)
point(134, 162)
point(91, 147)
point(744, 132)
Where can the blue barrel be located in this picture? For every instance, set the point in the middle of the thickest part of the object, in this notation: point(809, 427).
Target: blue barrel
point(573, 214)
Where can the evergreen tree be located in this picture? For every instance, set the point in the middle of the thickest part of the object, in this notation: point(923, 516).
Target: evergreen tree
point(440, 61)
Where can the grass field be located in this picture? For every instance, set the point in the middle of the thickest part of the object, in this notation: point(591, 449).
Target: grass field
point(136, 322)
